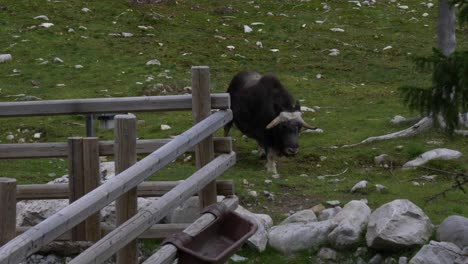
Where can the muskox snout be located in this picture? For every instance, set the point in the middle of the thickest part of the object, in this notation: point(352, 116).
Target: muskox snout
point(292, 151)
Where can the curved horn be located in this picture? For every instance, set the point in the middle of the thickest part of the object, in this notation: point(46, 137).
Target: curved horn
point(274, 122)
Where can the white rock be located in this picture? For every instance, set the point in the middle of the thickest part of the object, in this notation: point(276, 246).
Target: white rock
point(43, 17)
point(329, 213)
point(454, 229)
point(259, 44)
point(253, 193)
point(126, 34)
point(230, 47)
point(439, 154)
point(58, 60)
point(337, 29)
point(318, 76)
point(9, 137)
point(318, 131)
point(37, 135)
point(319, 22)
point(378, 160)
point(71, 30)
point(153, 62)
point(257, 23)
point(236, 258)
point(333, 202)
point(425, 14)
point(295, 237)
point(379, 187)
point(165, 127)
point(307, 109)
point(5, 57)
point(350, 225)
point(360, 185)
point(398, 119)
point(403, 7)
point(78, 66)
point(397, 225)
point(304, 216)
point(387, 48)
point(274, 50)
point(46, 25)
point(259, 239)
point(436, 253)
point(247, 29)
point(334, 52)
point(429, 5)
point(85, 9)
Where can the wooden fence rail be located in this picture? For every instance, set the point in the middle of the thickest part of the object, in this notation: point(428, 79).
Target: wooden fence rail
point(22, 246)
point(145, 189)
point(107, 105)
point(106, 148)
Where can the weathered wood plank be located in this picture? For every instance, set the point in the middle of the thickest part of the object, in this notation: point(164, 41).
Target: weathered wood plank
point(145, 189)
point(26, 244)
point(7, 210)
point(76, 180)
point(201, 109)
point(107, 246)
point(125, 156)
point(167, 253)
point(92, 179)
point(106, 148)
point(158, 231)
point(107, 105)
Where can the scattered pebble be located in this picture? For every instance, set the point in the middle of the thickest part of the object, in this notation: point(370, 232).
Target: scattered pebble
point(379, 187)
point(153, 62)
point(78, 66)
point(58, 60)
point(46, 25)
point(253, 193)
point(359, 185)
point(5, 57)
point(230, 47)
point(37, 135)
point(333, 202)
point(247, 29)
point(334, 52)
point(85, 9)
point(274, 50)
point(165, 127)
point(337, 29)
point(42, 17)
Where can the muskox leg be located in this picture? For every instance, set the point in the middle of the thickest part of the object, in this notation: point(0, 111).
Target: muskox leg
point(261, 150)
point(271, 163)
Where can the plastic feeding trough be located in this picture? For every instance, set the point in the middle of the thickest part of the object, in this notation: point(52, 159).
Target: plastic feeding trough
point(216, 242)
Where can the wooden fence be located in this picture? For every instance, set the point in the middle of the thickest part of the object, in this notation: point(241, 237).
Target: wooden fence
point(87, 197)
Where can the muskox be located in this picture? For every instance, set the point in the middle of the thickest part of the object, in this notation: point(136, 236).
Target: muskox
point(265, 111)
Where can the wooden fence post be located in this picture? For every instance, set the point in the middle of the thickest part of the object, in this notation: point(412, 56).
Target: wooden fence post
point(7, 210)
point(201, 109)
point(84, 176)
point(125, 157)
point(92, 179)
point(76, 178)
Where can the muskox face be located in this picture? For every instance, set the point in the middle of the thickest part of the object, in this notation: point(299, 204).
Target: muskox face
point(287, 133)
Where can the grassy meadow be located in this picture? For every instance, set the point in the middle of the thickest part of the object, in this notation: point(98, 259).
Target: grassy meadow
point(356, 90)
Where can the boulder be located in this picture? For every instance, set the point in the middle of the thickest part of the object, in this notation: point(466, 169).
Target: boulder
point(454, 229)
point(31, 213)
point(350, 224)
point(437, 253)
point(304, 216)
point(293, 237)
point(259, 239)
point(397, 225)
point(329, 213)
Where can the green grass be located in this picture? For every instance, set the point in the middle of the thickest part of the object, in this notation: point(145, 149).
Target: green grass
point(357, 92)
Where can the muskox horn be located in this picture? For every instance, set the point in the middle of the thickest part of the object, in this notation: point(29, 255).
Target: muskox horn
point(304, 124)
point(285, 116)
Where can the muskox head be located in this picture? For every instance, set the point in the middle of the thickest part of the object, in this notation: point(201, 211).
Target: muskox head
point(287, 126)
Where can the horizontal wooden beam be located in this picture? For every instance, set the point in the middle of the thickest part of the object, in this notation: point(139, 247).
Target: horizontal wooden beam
point(106, 148)
point(158, 231)
point(107, 105)
point(48, 230)
point(145, 189)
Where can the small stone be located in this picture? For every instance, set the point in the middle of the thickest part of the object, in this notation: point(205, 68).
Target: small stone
point(236, 258)
point(165, 127)
point(5, 57)
point(379, 187)
point(230, 47)
point(403, 7)
point(153, 62)
point(327, 254)
point(247, 29)
point(52, 175)
point(126, 34)
point(403, 260)
point(78, 66)
point(334, 52)
point(274, 50)
point(37, 135)
point(268, 181)
point(333, 202)
point(85, 9)
point(377, 259)
point(317, 209)
point(253, 193)
point(359, 185)
point(259, 44)
point(9, 137)
point(46, 25)
point(337, 29)
point(58, 60)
